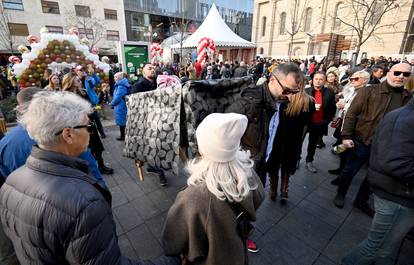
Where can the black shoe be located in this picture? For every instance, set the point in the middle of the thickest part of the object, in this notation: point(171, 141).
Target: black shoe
point(365, 208)
point(121, 138)
point(163, 180)
point(106, 170)
point(151, 169)
point(103, 136)
point(335, 171)
point(339, 200)
point(335, 182)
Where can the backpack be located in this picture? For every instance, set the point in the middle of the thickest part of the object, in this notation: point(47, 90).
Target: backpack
point(226, 73)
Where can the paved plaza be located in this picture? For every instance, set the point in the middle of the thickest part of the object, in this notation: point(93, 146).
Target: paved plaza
point(306, 230)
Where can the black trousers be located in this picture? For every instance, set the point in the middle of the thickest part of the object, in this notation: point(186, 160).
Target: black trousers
point(315, 132)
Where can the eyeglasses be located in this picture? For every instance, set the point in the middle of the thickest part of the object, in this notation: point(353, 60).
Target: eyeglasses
point(89, 127)
point(398, 73)
point(286, 90)
point(352, 79)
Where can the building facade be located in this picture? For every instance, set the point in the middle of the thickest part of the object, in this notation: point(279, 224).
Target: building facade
point(159, 19)
point(101, 21)
point(304, 28)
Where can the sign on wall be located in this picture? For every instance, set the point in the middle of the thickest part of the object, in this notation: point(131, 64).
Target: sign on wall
point(132, 55)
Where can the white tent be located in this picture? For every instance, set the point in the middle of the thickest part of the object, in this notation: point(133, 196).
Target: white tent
point(215, 28)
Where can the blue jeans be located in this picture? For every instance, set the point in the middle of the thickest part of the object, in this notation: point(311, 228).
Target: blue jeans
point(391, 223)
point(358, 156)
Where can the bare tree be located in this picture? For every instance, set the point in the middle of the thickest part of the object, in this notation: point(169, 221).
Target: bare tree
point(89, 25)
point(296, 23)
point(364, 17)
point(181, 25)
point(6, 38)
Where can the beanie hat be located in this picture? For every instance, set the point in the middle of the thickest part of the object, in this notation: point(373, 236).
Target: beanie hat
point(219, 134)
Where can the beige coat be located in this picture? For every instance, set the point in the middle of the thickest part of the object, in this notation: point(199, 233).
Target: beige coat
point(203, 228)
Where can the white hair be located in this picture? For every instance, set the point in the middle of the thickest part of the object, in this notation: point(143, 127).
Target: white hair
point(362, 74)
point(231, 180)
point(119, 74)
point(50, 112)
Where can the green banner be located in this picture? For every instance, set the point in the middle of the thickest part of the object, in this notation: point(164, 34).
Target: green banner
point(135, 55)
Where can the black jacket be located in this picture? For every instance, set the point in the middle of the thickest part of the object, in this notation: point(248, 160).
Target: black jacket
point(240, 71)
point(258, 106)
point(143, 85)
point(55, 213)
point(391, 165)
point(328, 103)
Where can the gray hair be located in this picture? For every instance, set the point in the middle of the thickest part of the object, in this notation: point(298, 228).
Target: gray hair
point(119, 74)
point(50, 112)
point(232, 180)
point(362, 74)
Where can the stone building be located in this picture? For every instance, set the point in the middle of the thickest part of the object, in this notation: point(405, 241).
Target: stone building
point(311, 27)
point(101, 21)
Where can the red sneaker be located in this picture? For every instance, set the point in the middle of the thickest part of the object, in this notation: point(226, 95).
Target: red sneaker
point(251, 246)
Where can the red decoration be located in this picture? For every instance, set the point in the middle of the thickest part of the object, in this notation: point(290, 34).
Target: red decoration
point(205, 48)
point(156, 53)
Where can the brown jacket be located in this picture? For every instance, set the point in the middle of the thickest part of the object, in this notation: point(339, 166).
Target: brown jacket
point(203, 228)
point(367, 110)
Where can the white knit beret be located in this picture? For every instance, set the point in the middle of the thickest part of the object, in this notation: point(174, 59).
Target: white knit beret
point(219, 134)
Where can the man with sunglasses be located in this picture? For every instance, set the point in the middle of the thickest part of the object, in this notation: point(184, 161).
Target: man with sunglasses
point(366, 111)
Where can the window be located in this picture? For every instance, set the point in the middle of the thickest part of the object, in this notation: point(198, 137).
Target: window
point(308, 19)
point(17, 29)
point(50, 7)
point(82, 11)
point(112, 35)
point(338, 13)
point(86, 33)
point(282, 29)
point(110, 14)
point(13, 4)
point(261, 51)
point(263, 26)
point(55, 29)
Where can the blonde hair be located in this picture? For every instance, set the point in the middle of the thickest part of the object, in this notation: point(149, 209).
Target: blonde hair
point(410, 84)
point(231, 180)
point(67, 82)
point(299, 102)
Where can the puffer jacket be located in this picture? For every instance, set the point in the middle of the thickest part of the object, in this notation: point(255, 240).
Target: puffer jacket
point(391, 164)
point(54, 213)
point(118, 102)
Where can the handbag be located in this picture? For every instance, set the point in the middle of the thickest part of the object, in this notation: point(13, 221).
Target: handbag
point(336, 123)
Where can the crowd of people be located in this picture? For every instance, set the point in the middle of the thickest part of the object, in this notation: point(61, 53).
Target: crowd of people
point(55, 207)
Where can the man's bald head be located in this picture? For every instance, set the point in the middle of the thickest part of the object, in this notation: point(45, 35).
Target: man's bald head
point(399, 75)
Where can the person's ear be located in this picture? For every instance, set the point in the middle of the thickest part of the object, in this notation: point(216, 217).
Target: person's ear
point(67, 135)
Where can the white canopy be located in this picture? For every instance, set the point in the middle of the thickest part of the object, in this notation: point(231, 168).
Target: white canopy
point(215, 28)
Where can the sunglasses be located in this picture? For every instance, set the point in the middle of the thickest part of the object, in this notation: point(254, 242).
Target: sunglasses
point(287, 90)
point(398, 73)
point(354, 79)
point(89, 127)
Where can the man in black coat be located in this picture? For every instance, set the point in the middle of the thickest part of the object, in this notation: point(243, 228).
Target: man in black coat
point(144, 84)
point(241, 70)
point(325, 111)
point(147, 81)
point(391, 176)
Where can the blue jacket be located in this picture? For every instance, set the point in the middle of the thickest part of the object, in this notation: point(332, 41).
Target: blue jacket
point(118, 102)
point(16, 147)
point(90, 83)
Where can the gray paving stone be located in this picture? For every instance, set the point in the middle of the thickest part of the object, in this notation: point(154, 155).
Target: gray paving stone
point(324, 198)
point(144, 243)
point(118, 197)
point(310, 229)
point(258, 259)
point(281, 247)
point(160, 199)
point(145, 207)
point(126, 247)
point(325, 215)
point(156, 225)
point(322, 260)
point(131, 189)
point(127, 216)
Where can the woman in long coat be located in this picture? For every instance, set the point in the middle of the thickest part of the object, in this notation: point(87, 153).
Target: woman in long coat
point(119, 104)
point(295, 113)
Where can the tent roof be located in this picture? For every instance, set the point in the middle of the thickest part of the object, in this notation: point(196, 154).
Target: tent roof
point(215, 28)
